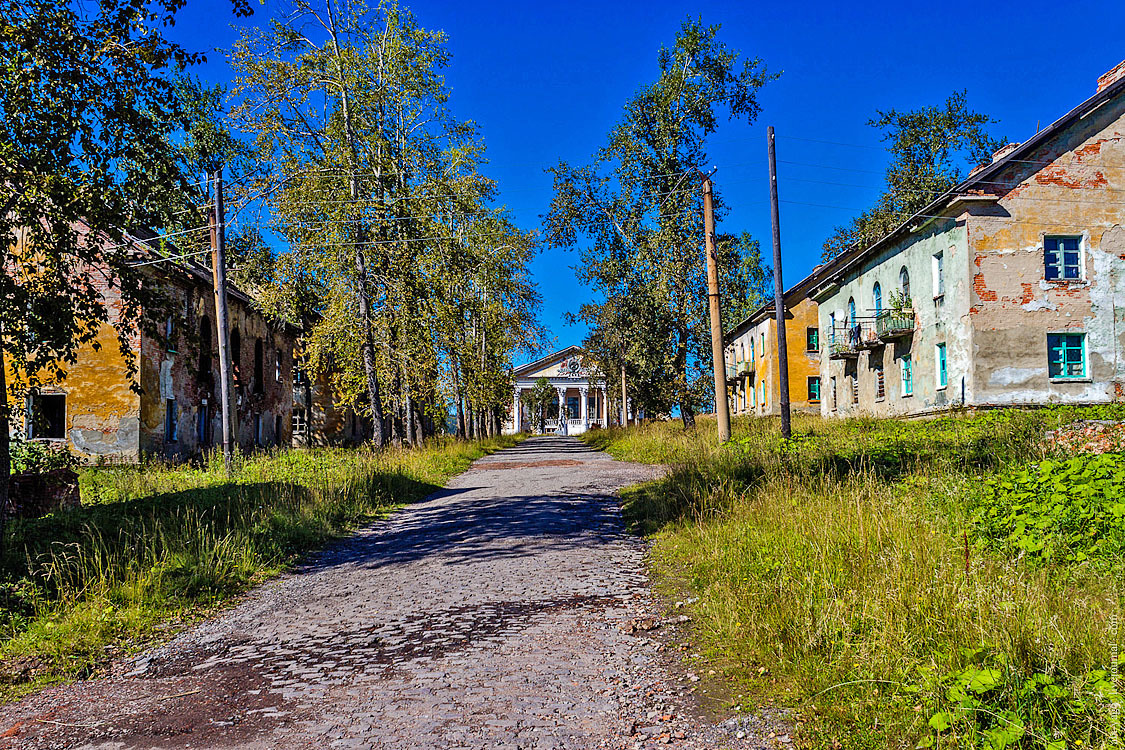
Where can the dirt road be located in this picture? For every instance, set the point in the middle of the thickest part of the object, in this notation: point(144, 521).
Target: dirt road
point(499, 613)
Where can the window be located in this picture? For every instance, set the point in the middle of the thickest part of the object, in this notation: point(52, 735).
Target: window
point(880, 384)
point(259, 366)
point(1061, 258)
point(904, 283)
point(939, 274)
point(814, 389)
point(907, 376)
point(236, 357)
point(204, 345)
point(171, 420)
point(277, 367)
point(170, 334)
point(762, 388)
point(942, 373)
point(812, 339)
point(855, 389)
point(1066, 355)
point(203, 425)
point(751, 348)
point(877, 295)
point(47, 416)
point(300, 423)
point(851, 311)
point(831, 328)
point(832, 382)
point(573, 404)
point(277, 430)
point(762, 353)
point(257, 429)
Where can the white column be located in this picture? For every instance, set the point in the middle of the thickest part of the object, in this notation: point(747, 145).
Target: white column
point(604, 410)
point(584, 409)
point(516, 411)
point(562, 402)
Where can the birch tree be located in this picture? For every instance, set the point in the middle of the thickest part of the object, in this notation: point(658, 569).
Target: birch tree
point(635, 214)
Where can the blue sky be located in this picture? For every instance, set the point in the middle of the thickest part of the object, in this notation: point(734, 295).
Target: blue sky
point(546, 81)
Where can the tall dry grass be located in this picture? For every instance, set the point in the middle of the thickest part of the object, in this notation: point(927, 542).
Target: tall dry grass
point(839, 573)
point(157, 544)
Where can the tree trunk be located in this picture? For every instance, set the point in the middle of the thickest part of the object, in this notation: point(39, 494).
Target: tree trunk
point(687, 413)
point(5, 453)
point(460, 398)
point(362, 280)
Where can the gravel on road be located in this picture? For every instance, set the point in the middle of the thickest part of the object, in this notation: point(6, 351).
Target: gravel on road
point(502, 612)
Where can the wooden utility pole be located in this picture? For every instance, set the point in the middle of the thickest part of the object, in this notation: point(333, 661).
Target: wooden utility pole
point(779, 297)
point(222, 319)
point(718, 353)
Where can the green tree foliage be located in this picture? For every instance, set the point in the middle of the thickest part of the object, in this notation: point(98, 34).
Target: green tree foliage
point(538, 403)
point(418, 284)
point(930, 150)
point(635, 213)
point(89, 111)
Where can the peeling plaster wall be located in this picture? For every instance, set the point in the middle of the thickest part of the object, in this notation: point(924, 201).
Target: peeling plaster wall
point(1073, 185)
point(190, 378)
point(765, 364)
point(938, 319)
point(102, 411)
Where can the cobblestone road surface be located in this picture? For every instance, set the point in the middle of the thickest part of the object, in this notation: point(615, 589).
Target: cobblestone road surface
point(500, 613)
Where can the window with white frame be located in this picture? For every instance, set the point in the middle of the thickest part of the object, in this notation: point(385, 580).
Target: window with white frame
point(1062, 258)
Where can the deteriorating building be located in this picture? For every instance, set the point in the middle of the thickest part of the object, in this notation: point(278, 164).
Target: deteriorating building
point(1009, 289)
point(96, 412)
point(753, 369)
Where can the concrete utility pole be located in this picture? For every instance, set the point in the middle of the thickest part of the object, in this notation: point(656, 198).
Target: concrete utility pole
point(718, 353)
point(222, 319)
point(624, 399)
point(779, 297)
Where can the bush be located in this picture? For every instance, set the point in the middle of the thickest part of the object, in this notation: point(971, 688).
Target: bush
point(1066, 510)
point(36, 456)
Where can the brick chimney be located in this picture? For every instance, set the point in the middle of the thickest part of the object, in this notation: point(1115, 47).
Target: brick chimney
point(1111, 77)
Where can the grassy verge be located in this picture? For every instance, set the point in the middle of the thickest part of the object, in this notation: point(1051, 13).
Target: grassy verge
point(156, 546)
point(947, 583)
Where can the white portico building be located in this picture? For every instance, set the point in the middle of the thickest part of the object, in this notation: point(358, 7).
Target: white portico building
point(580, 395)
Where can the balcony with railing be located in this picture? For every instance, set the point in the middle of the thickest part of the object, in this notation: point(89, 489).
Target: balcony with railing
point(893, 324)
point(844, 342)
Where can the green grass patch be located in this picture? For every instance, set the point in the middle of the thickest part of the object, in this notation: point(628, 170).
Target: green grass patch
point(876, 575)
point(155, 546)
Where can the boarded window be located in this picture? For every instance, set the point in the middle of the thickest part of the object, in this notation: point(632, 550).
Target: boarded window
point(300, 423)
point(47, 416)
point(880, 384)
point(855, 389)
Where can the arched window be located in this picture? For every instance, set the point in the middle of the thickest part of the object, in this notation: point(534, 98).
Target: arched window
point(851, 311)
point(877, 293)
point(235, 347)
point(204, 345)
point(259, 366)
point(904, 283)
